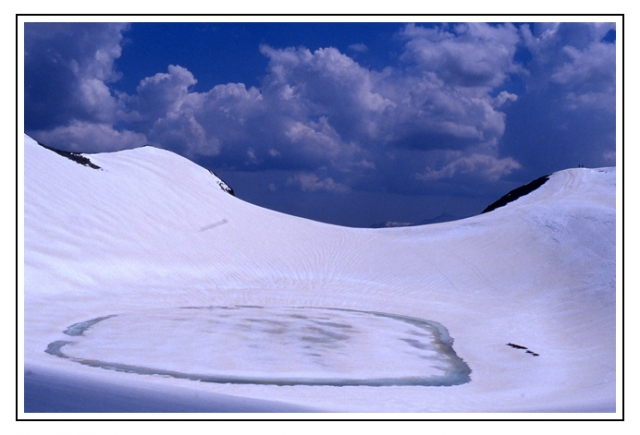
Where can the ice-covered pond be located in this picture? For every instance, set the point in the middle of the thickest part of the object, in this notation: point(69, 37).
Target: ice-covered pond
point(269, 345)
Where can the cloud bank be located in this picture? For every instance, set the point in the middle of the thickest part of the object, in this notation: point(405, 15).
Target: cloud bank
point(441, 113)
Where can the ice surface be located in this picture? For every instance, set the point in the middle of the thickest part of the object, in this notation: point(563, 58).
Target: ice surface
point(80, 328)
point(266, 345)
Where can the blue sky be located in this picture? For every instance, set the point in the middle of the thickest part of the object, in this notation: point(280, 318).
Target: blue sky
point(347, 123)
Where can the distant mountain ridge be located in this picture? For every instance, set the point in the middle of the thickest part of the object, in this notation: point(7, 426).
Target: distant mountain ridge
point(443, 217)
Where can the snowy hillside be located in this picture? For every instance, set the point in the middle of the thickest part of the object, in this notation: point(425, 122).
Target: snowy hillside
point(144, 274)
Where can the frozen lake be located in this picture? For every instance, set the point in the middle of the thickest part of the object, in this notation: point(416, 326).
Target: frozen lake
point(269, 345)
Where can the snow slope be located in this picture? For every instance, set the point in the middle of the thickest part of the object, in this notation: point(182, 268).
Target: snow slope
point(171, 283)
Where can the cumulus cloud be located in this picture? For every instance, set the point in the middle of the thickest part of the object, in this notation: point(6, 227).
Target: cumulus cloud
point(320, 114)
point(314, 109)
point(504, 97)
point(490, 167)
point(610, 156)
point(90, 137)
point(161, 95)
point(431, 114)
point(324, 83)
point(180, 131)
point(576, 58)
point(312, 183)
point(566, 116)
point(326, 102)
point(588, 75)
point(468, 55)
point(359, 48)
point(68, 67)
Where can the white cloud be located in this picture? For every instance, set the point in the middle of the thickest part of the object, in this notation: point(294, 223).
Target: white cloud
point(365, 164)
point(90, 138)
point(574, 57)
point(332, 108)
point(321, 109)
point(314, 109)
point(430, 109)
point(181, 132)
point(610, 156)
point(67, 70)
point(325, 83)
point(251, 154)
point(482, 165)
point(589, 76)
point(94, 97)
point(315, 137)
point(589, 66)
point(359, 48)
point(309, 182)
point(470, 55)
point(503, 97)
point(162, 94)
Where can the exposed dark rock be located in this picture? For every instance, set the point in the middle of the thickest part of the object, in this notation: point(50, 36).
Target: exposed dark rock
point(224, 186)
point(517, 193)
point(517, 346)
point(76, 157)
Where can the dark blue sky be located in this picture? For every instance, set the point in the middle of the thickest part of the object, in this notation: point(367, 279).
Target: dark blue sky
point(228, 52)
point(348, 123)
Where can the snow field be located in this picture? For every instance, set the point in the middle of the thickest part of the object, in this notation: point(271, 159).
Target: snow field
point(152, 232)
